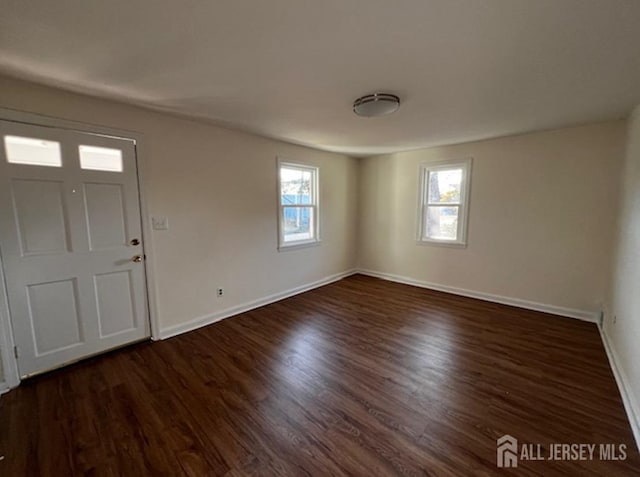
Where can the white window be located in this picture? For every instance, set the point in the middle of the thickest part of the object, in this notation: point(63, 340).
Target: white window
point(444, 202)
point(298, 204)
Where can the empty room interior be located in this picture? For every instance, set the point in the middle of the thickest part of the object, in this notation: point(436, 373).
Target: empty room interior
point(320, 238)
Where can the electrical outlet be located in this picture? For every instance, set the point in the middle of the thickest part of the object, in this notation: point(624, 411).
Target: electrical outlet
point(220, 292)
point(615, 318)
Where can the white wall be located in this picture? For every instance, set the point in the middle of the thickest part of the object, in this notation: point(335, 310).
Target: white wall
point(623, 336)
point(541, 217)
point(218, 189)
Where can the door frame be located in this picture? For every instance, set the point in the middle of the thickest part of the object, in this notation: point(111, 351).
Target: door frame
point(7, 343)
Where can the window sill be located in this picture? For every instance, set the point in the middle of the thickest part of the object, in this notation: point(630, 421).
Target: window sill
point(298, 245)
point(442, 243)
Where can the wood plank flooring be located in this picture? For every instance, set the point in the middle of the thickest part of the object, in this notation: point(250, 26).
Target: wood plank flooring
point(361, 377)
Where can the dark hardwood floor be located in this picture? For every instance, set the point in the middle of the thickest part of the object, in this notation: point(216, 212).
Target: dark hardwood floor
point(361, 377)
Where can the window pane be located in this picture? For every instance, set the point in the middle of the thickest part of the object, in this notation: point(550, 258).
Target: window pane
point(444, 186)
point(442, 223)
point(298, 223)
point(33, 152)
point(100, 159)
point(296, 186)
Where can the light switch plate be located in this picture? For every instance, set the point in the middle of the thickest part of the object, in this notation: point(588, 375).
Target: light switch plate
point(159, 222)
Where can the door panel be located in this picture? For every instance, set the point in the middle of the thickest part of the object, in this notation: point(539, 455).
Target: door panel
point(106, 224)
point(40, 216)
point(54, 315)
point(67, 222)
point(114, 295)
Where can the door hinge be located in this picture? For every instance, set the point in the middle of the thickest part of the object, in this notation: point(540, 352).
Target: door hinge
point(15, 351)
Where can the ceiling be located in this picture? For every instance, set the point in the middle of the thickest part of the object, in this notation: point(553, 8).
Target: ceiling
point(291, 69)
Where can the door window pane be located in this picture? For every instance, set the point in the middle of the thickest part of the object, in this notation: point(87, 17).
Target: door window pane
point(442, 223)
point(32, 152)
point(100, 159)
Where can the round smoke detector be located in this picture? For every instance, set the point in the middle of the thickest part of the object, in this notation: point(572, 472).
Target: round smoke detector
point(376, 104)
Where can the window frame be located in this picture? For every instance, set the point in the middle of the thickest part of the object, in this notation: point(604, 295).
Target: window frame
point(315, 205)
point(463, 205)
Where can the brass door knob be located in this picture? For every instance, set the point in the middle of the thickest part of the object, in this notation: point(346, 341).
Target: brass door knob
point(135, 242)
point(137, 258)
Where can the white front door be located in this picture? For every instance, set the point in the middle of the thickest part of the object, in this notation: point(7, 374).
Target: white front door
point(71, 244)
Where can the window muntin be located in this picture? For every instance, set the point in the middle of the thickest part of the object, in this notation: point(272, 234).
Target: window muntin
point(298, 204)
point(444, 202)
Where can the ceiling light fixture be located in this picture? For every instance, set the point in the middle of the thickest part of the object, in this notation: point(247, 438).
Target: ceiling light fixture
point(376, 104)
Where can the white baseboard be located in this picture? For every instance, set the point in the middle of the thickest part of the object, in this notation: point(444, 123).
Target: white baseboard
point(592, 317)
point(229, 312)
point(631, 404)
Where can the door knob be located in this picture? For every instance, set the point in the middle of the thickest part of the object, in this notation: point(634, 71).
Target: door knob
point(137, 258)
point(135, 242)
